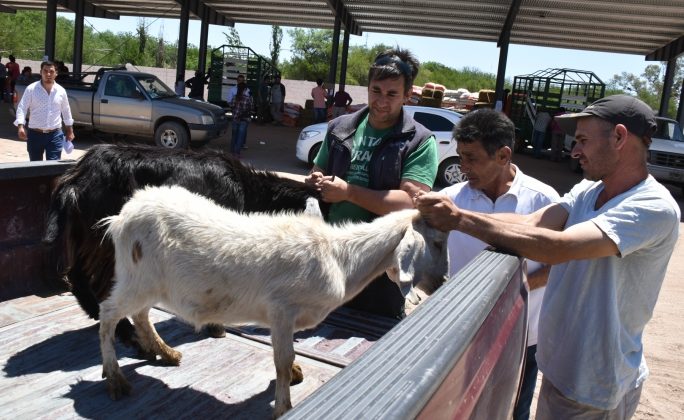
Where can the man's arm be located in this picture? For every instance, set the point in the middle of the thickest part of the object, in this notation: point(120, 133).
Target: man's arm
point(538, 278)
point(66, 116)
point(536, 236)
point(334, 190)
point(20, 120)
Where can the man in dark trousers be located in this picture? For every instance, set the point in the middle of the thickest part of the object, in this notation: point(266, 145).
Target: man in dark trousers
point(196, 85)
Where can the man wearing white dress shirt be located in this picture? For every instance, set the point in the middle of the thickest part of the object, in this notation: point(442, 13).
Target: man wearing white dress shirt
point(46, 104)
point(495, 185)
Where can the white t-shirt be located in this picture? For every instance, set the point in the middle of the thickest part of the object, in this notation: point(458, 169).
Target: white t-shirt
point(526, 195)
point(595, 310)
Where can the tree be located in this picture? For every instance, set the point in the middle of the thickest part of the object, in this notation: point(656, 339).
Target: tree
point(274, 45)
point(141, 30)
point(233, 38)
point(649, 85)
point(311, 52)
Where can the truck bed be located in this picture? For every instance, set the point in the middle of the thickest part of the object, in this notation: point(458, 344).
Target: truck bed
point(51, 365)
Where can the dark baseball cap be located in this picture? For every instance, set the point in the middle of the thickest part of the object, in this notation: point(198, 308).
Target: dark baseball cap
point(627, 110)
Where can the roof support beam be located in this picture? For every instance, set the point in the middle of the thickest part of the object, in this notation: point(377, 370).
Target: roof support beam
point(183, 38)
point(667, 87)
point(332, 72)
point(198, 8)
point(50, 28)
point(504, 41)
point(78, 36)
point(89, 9)
point(668, 52)
point(339, 9)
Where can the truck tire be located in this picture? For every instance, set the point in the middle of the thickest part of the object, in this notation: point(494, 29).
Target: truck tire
point(449, 172)
point(171, 135)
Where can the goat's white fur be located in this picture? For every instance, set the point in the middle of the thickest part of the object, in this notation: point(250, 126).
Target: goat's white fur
point(208, 264)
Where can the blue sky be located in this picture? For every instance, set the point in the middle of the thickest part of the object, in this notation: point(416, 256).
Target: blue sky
point(450, 52)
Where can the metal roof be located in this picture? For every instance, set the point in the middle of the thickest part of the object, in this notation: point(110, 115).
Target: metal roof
point(653, 28)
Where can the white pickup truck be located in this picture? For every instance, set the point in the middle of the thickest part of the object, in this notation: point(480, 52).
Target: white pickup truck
point(666, 154)
point(139, 104)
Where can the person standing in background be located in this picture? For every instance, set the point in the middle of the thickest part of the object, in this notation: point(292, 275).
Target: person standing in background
point(341, 101)
point(3, 80)
point(196, 85)
point(541, 123)
point(277, 100)
point(319, 95)
point(241, 104)
point(557, 138)
point(47, 103)
point(12, 76)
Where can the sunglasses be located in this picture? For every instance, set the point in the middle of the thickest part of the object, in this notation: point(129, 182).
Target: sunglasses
point(389, 60)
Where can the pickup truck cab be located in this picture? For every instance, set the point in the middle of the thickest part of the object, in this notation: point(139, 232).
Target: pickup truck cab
point(666, 153)
point(139, 104)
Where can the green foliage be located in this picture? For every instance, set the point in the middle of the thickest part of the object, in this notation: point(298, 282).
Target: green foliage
point(469, 78)
point(23, 35)
point(311, 52)
point(649, 85)
point(274, 45)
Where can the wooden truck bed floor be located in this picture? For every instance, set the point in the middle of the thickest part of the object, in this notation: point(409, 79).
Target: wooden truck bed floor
point(51, 365)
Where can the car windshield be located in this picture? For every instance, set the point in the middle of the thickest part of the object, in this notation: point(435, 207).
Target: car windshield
point(156, 88)
point(669, 130)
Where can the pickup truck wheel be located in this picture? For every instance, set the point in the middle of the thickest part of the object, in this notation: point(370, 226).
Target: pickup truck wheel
point(449, 172)
point(171, 135)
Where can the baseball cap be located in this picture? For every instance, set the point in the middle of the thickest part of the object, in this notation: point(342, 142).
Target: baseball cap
point(627, 110)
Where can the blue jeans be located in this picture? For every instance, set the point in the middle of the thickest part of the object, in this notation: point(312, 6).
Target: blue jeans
point(239, 136)
point(50, 143)
point(522, 408)
point(538, 138)
point(320, 114)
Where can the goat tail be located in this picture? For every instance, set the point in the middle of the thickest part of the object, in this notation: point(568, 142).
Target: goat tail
point(64, 204)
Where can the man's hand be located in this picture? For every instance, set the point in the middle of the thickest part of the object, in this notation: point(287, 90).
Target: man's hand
point(438, 209)
point(69, 133)
point(21, 133)
point(334, 189)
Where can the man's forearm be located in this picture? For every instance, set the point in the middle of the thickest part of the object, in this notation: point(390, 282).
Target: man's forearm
point(523, 239)
point(379, 202)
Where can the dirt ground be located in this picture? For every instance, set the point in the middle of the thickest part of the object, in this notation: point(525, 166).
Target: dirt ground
point(272, 148)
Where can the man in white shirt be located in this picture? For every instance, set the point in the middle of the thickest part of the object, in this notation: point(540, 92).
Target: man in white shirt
point(47, 104)
point(495, 185)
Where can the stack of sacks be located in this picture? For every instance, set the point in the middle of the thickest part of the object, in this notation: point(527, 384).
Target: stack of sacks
point(291, 114)
point(416, 94)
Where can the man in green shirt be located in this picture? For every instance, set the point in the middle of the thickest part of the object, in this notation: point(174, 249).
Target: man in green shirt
point(374, 160)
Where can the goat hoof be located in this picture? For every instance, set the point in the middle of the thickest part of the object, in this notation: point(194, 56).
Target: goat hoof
point(216, 330)
point(297, 375)
point(117, 386)
point(173, 358)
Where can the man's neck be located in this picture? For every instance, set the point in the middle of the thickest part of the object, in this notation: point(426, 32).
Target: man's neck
point(503, 183)
point(47, 86)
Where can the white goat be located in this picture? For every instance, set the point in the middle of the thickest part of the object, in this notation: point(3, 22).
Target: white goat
point(208, 264)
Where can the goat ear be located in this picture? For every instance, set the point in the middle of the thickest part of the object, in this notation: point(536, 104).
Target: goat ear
point(402, 271)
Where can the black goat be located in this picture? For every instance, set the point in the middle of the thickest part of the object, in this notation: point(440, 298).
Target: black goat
point(106, 177)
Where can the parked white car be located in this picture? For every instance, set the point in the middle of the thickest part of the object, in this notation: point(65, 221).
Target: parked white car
point(440, 121)
point(666, 154)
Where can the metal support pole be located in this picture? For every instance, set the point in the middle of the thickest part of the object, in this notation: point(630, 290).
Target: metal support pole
point(204, 36)
point(332, 72)
point(78, 36)
point(501, 75)
point(667, 87)
point(183, 39)
point(680, 109)
point(50, 28)
point(345, 54)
